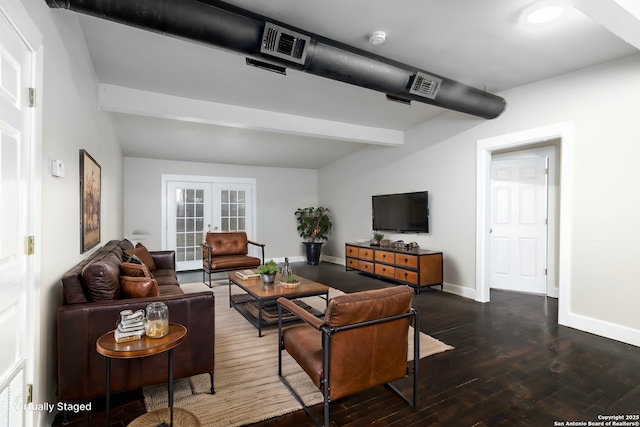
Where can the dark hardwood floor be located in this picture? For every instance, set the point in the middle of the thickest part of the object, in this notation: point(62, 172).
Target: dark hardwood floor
point(512, 365)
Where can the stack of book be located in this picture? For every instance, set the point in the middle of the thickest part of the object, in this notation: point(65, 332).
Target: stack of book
point(130, 327)
point(246, 274)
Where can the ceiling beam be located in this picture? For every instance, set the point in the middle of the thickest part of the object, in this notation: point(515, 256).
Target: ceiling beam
point(152, 104)
point(620, 17)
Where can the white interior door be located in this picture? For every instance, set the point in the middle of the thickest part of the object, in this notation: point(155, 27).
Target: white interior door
point(518, 224)
point(196, 205)
point(16, 195)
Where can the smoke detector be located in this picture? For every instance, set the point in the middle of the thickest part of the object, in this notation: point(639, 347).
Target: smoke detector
point(377, 37)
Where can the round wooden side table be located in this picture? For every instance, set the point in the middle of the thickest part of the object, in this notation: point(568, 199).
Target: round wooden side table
point(107, 346)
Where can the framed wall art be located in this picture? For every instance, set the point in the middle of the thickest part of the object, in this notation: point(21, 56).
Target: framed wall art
point(89, 202)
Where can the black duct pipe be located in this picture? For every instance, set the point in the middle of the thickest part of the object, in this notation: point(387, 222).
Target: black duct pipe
point(237, 30)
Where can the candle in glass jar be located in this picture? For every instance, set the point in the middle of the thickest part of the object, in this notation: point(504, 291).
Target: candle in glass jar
point(157, 320)
point(157, 328)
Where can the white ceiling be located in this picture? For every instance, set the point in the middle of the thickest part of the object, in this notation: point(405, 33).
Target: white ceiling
point(175, 99)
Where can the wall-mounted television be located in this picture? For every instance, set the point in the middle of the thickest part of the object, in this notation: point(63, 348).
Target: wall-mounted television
point(402, 212)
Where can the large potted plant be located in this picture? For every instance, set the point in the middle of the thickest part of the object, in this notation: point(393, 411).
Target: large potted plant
point(313, 224)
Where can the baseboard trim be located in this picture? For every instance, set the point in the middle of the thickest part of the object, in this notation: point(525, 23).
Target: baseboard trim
point(280, 260)
point(602, 328)
point(332, 259)
point(460, 290)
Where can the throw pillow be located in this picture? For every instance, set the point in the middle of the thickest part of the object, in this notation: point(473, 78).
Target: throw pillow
point(143, 253)
point(125, 244)
point(134, 270)
point(131, 258)
point(139, 287)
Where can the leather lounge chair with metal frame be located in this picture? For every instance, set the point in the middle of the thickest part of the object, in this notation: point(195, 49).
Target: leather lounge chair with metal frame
point(362, 342)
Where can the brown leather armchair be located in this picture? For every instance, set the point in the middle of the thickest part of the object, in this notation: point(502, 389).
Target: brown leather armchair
point(361, 343)
point(225, 251)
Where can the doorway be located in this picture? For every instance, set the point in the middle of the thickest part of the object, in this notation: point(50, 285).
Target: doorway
point(195, 205)
point(522, 201)
point(561, 232)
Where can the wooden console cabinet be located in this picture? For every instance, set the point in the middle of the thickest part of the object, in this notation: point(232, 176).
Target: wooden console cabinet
point(413, 267)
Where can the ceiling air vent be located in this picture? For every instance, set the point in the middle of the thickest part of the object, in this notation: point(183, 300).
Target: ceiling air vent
point(284, 43)
point(398, 99)
point(425, 85)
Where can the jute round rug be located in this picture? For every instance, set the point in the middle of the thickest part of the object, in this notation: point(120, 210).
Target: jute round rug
point(181, 418)
point(247, 386)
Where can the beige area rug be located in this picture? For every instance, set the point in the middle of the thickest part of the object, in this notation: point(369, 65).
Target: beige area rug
point(247, 386)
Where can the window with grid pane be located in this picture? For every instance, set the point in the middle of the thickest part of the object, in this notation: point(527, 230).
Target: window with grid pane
point(233, 210)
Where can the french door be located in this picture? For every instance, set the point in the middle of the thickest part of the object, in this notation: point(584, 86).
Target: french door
point(197, 205)
point(187, 211)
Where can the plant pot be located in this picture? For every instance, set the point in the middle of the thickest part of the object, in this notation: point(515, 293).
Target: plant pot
point(268, 279)
point(312, 252)
point(290, 285)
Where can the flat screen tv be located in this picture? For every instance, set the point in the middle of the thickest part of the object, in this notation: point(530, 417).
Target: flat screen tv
point(402, 213)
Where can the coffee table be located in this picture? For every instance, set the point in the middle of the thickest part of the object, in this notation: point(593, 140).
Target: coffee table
point(258, 302)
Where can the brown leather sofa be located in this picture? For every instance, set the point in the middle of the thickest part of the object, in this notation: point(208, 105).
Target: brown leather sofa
point(91, 307)
point(225, 251)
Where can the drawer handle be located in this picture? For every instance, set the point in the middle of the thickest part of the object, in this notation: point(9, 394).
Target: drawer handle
point(406, 260)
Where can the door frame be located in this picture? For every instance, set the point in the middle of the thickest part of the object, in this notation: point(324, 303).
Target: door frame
point(210, 180)
point(484, 149)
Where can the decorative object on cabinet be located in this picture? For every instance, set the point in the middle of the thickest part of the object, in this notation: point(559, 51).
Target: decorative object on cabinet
point(89, 202)
point(314, 224)
point(385, 243)
point(414, 267)
point(377, 238)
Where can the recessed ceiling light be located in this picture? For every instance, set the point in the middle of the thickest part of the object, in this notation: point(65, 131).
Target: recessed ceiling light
point(544, 11)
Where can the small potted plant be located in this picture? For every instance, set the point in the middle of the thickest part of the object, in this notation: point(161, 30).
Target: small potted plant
point(268, 271)
point(376, 238)
point(290, 282)
point(314, 224)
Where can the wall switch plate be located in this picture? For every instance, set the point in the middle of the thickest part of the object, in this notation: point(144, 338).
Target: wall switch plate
point(57, 168)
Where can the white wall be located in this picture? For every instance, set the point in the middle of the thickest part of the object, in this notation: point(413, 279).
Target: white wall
point(279, 192)
point(71, 121)
point(446, 170)
point(439, 156)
